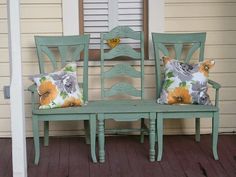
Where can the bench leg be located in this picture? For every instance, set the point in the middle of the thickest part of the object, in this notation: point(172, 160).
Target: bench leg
point(159, 135)
point(142, 130)
point(87, 131)
point(197, 129)
point(152, 138)
point(101, 138)
point(36, 139)
point(215, 125)
point(93, 137)
point(156, 129)
point(46, 133)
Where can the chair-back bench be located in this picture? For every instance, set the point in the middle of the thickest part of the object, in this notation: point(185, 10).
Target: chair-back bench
point(129, 85)
point(164, 42)
point(54, 52)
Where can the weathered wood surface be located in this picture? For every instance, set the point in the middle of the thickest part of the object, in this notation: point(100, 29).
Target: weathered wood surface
point(126, 157)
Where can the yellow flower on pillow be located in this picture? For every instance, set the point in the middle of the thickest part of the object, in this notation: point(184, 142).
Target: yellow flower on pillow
point(48, 92)
point(185, 83)
point(205, 66)
point(179, 95)
point(59, 89)
point(71, 101)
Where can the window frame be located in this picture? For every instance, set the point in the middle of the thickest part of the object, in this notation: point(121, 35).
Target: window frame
point(95, 53)
point(156, 20)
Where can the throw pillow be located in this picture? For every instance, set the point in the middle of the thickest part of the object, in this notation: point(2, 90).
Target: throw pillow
point(185, 83)
point(59, 89)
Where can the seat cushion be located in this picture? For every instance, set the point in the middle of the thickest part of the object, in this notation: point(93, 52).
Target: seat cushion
point(59, 89)
point(185, 83)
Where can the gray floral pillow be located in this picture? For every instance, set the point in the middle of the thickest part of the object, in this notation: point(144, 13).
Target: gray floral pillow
point(59, 89)
point(185, 83)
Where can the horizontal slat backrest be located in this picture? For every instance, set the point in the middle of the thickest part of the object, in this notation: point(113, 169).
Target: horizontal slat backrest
point(63, 49)
point(162, 43)
point(123, 68)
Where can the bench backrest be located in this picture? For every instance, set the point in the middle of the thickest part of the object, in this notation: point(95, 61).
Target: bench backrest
point(56, 51)
point(164, 42)
point(124, 67)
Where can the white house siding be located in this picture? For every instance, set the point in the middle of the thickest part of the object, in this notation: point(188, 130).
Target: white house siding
point(44, 17)
point(218, 19)
point(38, 17)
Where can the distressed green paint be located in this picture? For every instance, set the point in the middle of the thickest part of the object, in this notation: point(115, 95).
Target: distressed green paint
point(152, 136)
point(69, 49)
point(123, 110)
point(122, 69)
point(122, 32)
point(178, 41)
point(122, 88)
point(197, 40)
point(122, 50)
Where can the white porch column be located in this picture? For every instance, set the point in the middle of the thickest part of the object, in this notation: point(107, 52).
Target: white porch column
point(19, 160)
point(156, 20)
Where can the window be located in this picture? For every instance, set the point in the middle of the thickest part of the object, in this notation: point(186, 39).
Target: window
point(98, 16)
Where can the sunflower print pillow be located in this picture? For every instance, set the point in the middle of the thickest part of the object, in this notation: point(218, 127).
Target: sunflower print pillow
point(185, 83)
point(59, 89)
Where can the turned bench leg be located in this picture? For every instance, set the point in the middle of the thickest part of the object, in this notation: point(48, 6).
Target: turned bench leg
point(101, 138)
point(152, 137)
point(93, 136)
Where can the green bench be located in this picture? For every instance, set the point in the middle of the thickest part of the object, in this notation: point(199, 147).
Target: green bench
point(178, 42)
point(129, 86)
point(124, 79)
point(53, 51)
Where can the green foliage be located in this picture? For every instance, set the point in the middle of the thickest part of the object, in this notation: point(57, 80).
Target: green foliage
point(182, 84)
point(167, 83)
point(42, 79)
point(69, 69)
point(170, 74)
point(63, 95)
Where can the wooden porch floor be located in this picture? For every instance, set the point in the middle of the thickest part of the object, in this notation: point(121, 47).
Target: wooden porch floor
point(126, 157)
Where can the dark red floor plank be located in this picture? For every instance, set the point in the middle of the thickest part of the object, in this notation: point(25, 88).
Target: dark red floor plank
point(230, 149)
point(4, 147)
point(149, 169)
point(206, 148)
point(30, 150)
point(97, 170)
point(117, 157)
point(201, 159)
point(165, 163)
point(185, 156)
point(46, 154)
point(7, 161)
point(170, 156)
point(64, 157)
point(79, 158)
point(54, 157)
point(132, 156)
point(32, 169)
point(226, 158)
point(126, 156)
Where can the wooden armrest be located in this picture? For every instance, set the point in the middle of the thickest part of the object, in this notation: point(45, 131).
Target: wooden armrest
point(214, 84)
